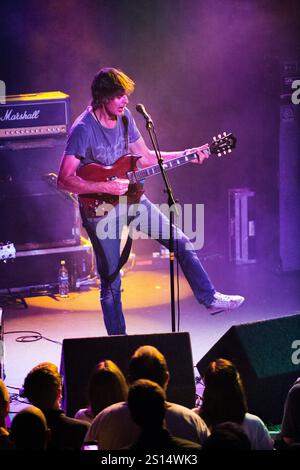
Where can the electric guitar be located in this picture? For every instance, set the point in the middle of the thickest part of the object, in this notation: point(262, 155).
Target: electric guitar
point(126, 167)
point(7, 251)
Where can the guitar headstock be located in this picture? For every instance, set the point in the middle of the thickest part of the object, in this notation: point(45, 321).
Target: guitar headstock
point(7, 251)
point(222, 144)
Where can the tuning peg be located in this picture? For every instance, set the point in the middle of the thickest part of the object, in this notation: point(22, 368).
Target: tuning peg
point(219, 154)
point(214, 138)
point(219, 135)
point(224, 152)
point(224, 134)
point(229, 150)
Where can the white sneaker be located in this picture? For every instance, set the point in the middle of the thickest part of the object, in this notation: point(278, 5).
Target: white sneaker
point(226, 302)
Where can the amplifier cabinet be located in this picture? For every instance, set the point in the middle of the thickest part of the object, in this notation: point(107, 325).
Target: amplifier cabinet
point(33, 133)
point(33, 213)
point(34, 115)
point(36, 270)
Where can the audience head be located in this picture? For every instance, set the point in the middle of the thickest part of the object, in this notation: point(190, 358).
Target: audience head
point(149, 363)
point(107, 385)
point(47, 365)
point(146, 403)
point(227, 436)
point(4, 403)
point(223, 397)
point(43, 386)
point(29, 430)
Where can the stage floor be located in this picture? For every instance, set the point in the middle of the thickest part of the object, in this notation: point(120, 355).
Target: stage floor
point(146, 303)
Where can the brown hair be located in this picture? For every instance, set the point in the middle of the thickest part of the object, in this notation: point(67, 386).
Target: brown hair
point(107, 385)
point(4, 395)
point(148, 363)
point(224, 397)
point(42, 385)
point(108, 83)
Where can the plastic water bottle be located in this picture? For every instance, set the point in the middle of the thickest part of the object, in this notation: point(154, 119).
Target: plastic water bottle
point(63, 280)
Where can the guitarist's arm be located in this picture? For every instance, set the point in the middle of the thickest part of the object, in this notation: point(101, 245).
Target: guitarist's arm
point(69, 181)
point(149, 158)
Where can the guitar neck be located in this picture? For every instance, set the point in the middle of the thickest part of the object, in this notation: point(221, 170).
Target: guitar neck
point(220, 146)
point(140, 175)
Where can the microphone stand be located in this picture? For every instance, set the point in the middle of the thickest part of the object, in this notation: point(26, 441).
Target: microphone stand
point(171, 203)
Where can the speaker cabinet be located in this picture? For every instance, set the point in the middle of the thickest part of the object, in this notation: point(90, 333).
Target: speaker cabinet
point(36, 271)
point(33, 213)
point(289, 186)
point(79, 356)
point(263, 354)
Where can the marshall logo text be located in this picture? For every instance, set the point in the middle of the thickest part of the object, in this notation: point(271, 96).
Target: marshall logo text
point(10, 116)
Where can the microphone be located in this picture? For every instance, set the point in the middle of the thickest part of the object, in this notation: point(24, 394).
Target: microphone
point(141, 109)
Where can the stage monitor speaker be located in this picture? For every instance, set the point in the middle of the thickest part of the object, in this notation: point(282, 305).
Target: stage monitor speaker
point(264, 354)
point(33, 213)
point(80, 355)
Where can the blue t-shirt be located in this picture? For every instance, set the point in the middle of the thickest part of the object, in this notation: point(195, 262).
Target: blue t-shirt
point(93, 143)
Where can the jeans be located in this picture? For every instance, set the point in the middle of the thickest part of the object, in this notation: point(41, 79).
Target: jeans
point(145, 217)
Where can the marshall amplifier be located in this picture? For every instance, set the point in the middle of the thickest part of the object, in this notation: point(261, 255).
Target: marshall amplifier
point(33, 133)
point(34, 116)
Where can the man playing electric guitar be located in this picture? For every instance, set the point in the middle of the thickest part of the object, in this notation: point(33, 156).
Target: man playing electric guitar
point(102, 134)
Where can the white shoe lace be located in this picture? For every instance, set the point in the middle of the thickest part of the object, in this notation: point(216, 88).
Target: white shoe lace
point(223, 297)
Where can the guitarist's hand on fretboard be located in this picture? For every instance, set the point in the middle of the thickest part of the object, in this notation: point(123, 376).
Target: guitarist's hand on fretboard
point(202, 153)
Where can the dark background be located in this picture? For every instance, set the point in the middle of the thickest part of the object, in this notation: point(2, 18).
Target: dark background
point(200, 67)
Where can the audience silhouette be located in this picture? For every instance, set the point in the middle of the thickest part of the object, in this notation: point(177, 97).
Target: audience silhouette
point(5, 442)
point(290, 428)
point(29, 429)
point(107, 385)
point(146, 421)
point(147, 406)
point(224, 400)
point(114, 428)
point(43, 388)
point(227, 436)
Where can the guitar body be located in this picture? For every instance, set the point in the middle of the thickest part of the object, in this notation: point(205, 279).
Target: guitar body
point(98, 173)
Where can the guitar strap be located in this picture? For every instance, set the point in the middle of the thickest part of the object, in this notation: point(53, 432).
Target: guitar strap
point(127, 248)
point(103, 266)
point(125, 124)
point(123, 259)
